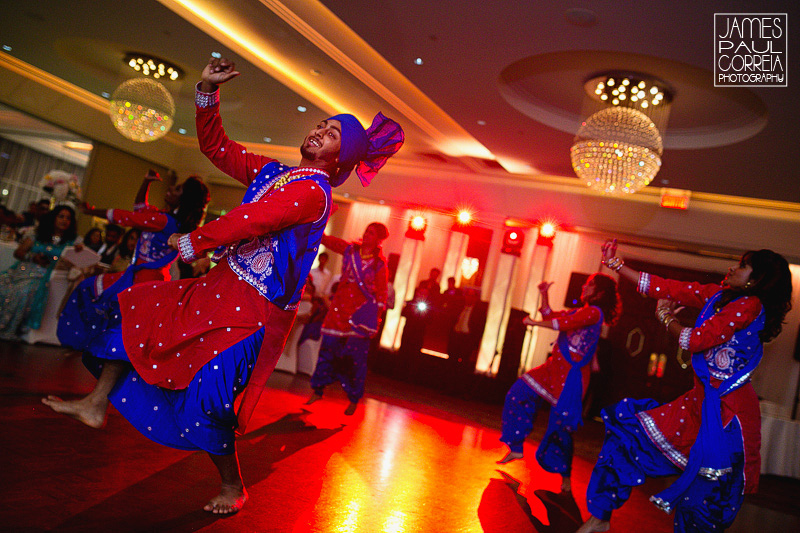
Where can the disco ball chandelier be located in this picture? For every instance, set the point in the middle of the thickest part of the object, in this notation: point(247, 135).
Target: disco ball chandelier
point(142, 110)
point(618, 148)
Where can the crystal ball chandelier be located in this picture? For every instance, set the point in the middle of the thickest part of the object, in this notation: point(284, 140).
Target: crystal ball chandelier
point(618, 148)
point(142, 110)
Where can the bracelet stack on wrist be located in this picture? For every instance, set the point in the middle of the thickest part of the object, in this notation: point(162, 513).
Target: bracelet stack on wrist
point(665, 316)
point(615, 263)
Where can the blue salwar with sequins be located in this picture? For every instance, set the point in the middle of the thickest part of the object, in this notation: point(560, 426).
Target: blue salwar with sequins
point(710, 489)
point(199, 417)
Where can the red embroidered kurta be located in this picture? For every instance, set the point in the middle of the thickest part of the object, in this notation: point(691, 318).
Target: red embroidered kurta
point(678, 421)
point(146, 218)
point(348, 295)
point(548, 379)
point(171, 329)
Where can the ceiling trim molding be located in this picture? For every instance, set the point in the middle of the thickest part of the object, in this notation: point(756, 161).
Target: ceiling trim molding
point(54, 83)
point(367, 55)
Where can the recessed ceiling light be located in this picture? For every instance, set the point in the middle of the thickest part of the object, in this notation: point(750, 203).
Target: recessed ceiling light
point(481, 123)
point(347, 195)
point(182, 131)
point(267, 139)
point(105, 94)
point(381, 202)
point(216, 54)
point(418, 61)
point(302, 108)
point(5, 192)
point(6, 48)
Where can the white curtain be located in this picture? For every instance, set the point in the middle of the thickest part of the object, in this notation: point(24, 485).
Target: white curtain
point(21, 168)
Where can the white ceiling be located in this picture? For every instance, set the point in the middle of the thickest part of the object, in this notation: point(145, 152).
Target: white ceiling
point(500, 87)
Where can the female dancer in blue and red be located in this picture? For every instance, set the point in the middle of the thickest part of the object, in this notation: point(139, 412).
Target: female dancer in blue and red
point(92, 308)
point(711, 435)
point(195, 344)
point(562, 380)
point(363, 280)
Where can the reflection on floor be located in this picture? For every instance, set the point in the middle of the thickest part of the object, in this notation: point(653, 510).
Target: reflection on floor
point(409, 460)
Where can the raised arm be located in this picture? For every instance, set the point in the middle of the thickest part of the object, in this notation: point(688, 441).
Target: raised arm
point(144, 188)
point(334, 244)
point(690, 293)
point(230, 157)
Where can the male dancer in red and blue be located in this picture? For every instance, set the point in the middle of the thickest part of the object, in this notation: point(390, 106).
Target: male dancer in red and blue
point(188, 348)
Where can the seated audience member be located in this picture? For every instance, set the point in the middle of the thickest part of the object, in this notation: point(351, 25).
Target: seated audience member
point(125, 251)
point(28, 228)
point(93, 239)
point(110, 246)
point(23, 287)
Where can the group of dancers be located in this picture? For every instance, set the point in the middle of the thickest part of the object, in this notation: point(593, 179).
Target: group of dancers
point(709, 437)
point(173, 356)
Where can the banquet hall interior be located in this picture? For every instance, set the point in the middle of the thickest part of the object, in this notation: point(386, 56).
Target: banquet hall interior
point(519, 119)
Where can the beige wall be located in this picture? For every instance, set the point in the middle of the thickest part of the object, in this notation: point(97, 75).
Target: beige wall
point(113, 178)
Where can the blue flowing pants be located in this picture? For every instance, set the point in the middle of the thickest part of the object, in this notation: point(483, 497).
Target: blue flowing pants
point(628, 457)
point(519, 413)
point(342, 359)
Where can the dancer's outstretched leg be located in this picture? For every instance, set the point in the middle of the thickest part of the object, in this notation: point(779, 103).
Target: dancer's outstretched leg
point(232, 495)
point(91, 409)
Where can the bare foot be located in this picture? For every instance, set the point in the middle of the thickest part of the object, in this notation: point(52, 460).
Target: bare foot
point(314, 398)
point(230, 500)
point(351, 409)
point(593, 525)
point(91, 413)
point(510, 456)
point(566, 484)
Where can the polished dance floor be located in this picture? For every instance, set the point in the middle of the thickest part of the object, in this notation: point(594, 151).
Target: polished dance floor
point(410, 460)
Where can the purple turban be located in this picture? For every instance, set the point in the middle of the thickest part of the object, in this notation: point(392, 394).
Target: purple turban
point(366, 151)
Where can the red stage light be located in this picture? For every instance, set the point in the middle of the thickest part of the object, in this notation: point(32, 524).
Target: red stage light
point(512, 242)
point(416, 228)
point(547, 232)
point(464, 217)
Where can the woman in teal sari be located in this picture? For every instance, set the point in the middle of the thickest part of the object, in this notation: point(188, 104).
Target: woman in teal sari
point(23, 287)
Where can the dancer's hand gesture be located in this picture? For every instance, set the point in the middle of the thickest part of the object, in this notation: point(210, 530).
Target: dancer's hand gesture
point(544, 286)
point(609, 250)
point(216, 72)
point(172, 242)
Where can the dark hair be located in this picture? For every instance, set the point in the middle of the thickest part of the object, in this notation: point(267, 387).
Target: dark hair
point(608, 299)
point(193, 202)
point(88, 235)
point(47, 225)
point(123, 250)
point(113, 227)
point(771, 284)
point(380, 230)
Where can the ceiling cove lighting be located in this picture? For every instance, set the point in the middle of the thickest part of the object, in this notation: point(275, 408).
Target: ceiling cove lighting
point(152, 66)
point(618, 148)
